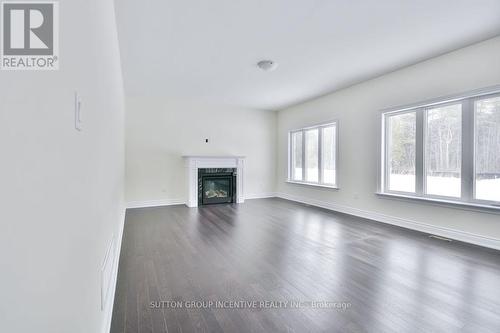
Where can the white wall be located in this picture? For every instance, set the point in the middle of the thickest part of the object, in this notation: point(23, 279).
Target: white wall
point(160, 131)
point(357, 109)
point(61, 191)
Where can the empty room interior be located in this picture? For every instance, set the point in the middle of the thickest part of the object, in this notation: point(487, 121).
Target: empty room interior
point(250, 166)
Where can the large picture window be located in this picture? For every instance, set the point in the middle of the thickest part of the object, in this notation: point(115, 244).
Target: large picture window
point(313, 155)
point(447, 150)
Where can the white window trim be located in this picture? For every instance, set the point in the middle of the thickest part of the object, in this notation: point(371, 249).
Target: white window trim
point(468, 151)
point(320, 183)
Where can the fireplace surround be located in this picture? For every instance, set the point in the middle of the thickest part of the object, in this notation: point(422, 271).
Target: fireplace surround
point(194, 163)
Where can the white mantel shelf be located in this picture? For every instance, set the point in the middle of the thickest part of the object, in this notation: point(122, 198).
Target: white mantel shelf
point(195, 162)
point(211, 156)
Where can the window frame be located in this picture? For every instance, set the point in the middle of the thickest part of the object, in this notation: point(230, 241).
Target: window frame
point(291, 172)
point(464, 151)
point(386, 155)
point(468, 154)
point(320, 182)
point(474, 146)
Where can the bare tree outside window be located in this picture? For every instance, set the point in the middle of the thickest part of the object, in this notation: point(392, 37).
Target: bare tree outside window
point(328, 150)
point(443, 151)
point(312, 147)
point(313, 155)
point(401, 152)
point(297, 156)
point(487, 137)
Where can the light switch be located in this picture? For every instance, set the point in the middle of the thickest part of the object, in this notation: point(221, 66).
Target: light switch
point(78, 113)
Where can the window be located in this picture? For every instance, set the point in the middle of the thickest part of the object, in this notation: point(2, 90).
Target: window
point(296, 156)
point(401, 152)
point(487, 142)
point(445, 150)
point(313, 155)
point(328, 155)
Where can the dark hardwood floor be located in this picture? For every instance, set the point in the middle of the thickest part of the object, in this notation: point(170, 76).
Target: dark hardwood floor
point(387, 279)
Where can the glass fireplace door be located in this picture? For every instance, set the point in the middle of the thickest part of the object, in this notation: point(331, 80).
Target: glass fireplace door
point(216, 190)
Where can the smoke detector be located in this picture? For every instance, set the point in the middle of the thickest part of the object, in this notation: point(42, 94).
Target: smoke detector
point(267, 65)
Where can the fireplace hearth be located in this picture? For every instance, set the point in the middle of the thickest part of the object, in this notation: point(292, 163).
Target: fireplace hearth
point(216, 186)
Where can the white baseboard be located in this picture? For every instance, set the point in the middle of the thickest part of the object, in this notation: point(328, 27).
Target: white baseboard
point(108, 310)
point(260, 195)
point(462, 236)
point(170, 202)
point(155, 203)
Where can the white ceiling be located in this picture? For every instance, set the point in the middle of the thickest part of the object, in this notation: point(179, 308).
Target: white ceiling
point(207, 50)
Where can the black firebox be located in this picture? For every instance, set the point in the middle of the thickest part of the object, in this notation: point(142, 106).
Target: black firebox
point(216, 185)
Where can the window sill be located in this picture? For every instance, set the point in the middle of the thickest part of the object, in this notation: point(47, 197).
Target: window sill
point(479, 207)
point(332, 187)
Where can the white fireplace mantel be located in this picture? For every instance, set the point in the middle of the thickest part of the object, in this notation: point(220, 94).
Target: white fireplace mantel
point(193, 163)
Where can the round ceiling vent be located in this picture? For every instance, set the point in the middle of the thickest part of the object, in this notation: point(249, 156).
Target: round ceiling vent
point(267, 65)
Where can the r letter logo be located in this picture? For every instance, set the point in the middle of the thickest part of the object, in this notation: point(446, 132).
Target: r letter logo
point(29, 35)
